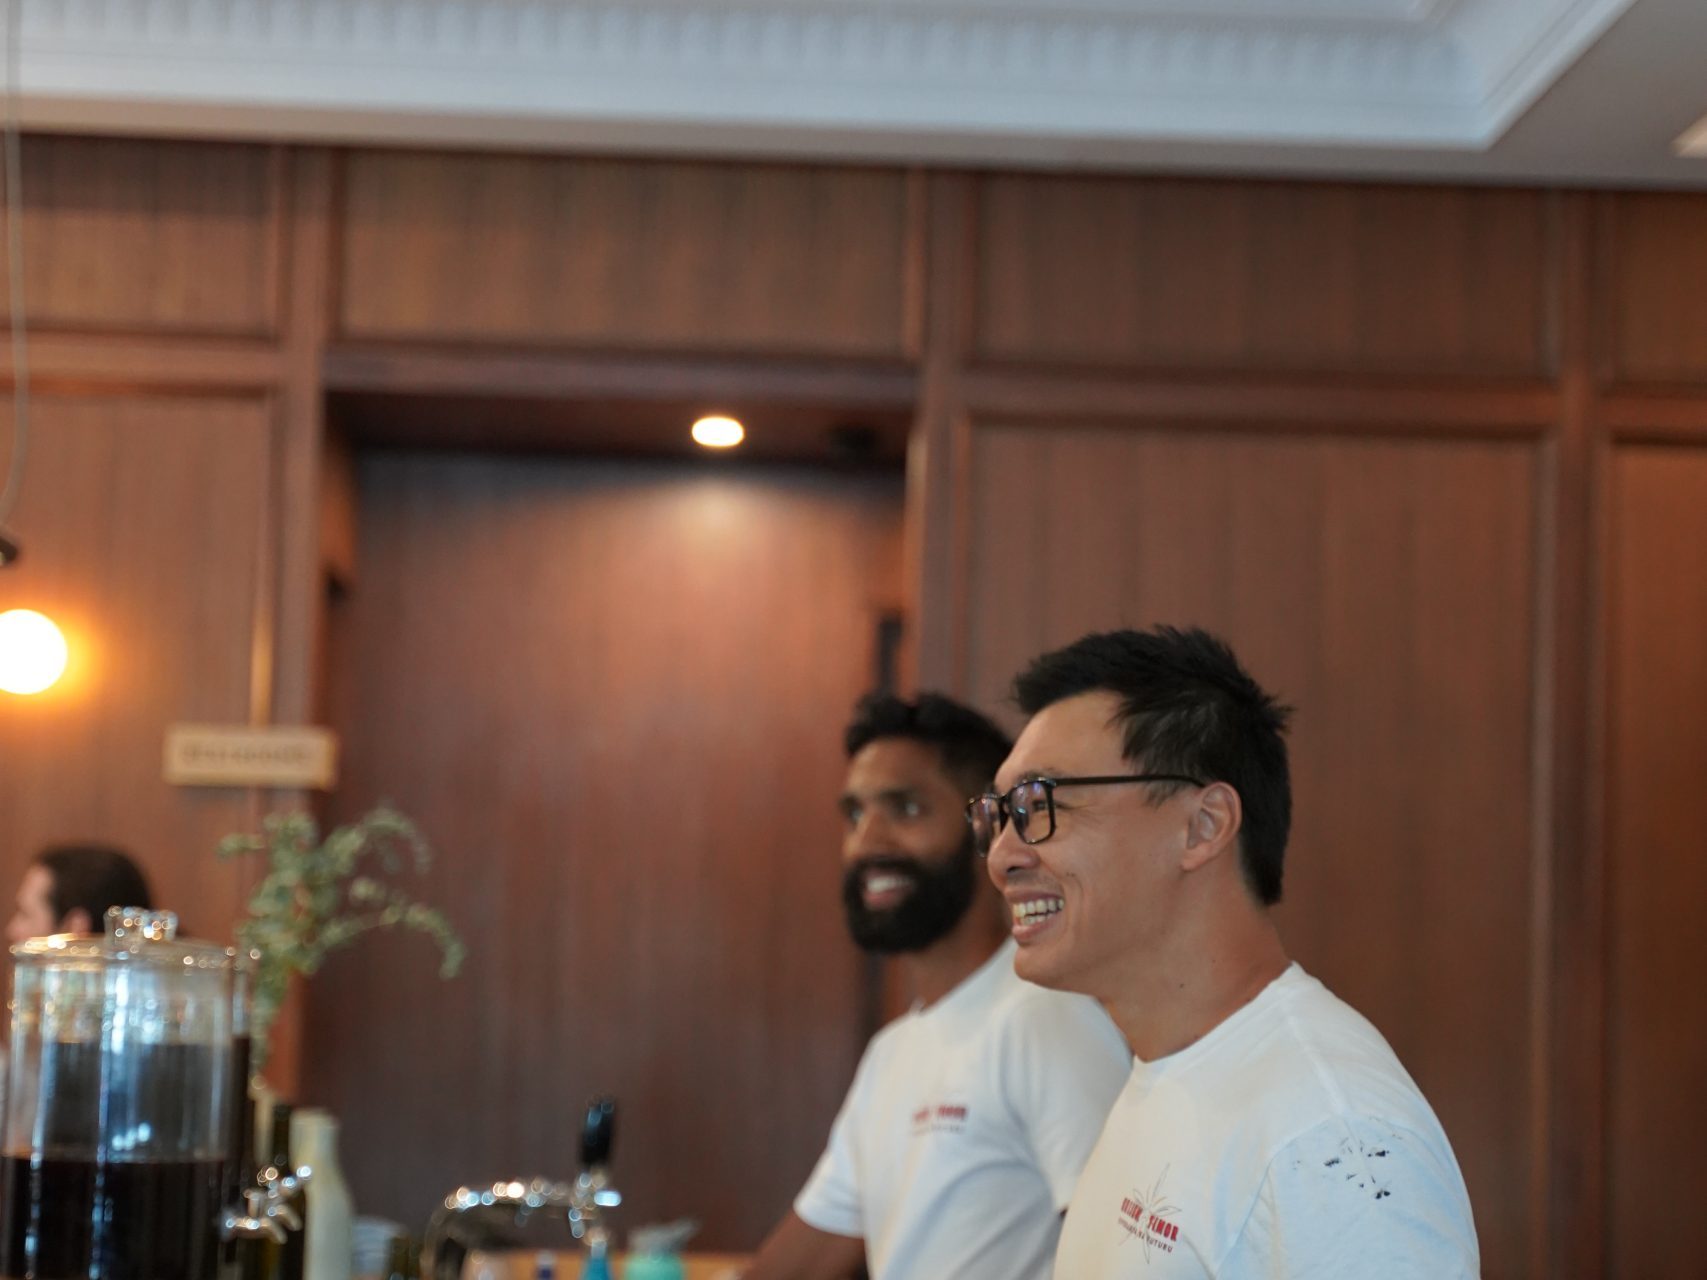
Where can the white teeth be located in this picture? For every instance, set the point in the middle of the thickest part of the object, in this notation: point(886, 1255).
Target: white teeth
point(1036, 909)
point(884, 882)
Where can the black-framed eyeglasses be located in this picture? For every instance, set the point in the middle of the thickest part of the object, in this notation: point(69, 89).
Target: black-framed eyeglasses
point(1030, 806)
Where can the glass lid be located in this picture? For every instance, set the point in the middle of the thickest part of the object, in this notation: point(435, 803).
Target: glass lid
point(134, 936)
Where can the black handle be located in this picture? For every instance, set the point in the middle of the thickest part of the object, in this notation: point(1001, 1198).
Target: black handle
point(597, 1132)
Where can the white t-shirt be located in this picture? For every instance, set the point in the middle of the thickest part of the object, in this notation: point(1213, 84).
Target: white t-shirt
point(1287, 1142)
point(965, 1129)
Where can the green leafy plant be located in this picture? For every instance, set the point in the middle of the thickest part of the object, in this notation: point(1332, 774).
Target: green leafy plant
point(321, 895)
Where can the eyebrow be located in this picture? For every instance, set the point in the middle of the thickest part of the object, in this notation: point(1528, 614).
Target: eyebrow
point(887, 793)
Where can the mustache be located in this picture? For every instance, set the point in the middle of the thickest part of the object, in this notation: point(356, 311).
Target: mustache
point(939, 891)
point(893, 863)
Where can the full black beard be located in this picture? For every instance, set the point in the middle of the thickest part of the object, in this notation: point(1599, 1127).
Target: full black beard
point(940, 896)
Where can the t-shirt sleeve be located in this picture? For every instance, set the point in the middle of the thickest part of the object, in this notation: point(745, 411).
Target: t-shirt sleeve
point(830, 1200)
point(1358, 1198)
point(1066, 1065)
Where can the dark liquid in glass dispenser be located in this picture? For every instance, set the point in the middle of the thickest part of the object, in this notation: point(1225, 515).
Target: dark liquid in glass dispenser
point(142, 1220)
point(70, 1215)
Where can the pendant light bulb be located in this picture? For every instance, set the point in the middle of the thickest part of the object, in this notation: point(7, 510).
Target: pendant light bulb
point(33, 652)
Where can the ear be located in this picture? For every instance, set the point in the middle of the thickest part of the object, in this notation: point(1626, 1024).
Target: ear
point(1213, 826)
point(76, 921)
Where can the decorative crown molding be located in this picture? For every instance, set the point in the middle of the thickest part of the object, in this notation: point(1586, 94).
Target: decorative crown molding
point(1438, 73)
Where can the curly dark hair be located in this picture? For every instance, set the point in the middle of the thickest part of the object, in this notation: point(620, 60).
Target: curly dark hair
point(971, 746)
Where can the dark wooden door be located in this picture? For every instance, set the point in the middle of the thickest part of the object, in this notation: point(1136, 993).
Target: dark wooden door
point(611, 693)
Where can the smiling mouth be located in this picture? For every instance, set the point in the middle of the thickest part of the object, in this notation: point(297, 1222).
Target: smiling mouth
point(1035, 911)
point(879, 888)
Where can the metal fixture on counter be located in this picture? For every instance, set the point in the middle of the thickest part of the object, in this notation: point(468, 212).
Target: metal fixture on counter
point(268, 1206)
point(267, 1215)
point(473, 1218)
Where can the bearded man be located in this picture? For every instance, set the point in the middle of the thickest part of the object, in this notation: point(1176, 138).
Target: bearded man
point(971, 1116)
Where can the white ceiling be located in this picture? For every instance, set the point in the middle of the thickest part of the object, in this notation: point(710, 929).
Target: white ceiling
point(1579, 91)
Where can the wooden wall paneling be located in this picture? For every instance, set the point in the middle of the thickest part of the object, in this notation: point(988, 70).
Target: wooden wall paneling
point(145, 528)
point(589, 377)
point(1654, 287)
point(935, 458)
point(1386, 588)
point(290, 646)
point(339, 521)
point(1344, 407)
point(1568, 1054)
point(815, 410)
point(612, 693)
point(625, 254)
point(150, 236)
point(915, 263)
point(1244, 276)
point(302, 431)
point(83, 362)
point(1657, 1121)
point(1651, 419)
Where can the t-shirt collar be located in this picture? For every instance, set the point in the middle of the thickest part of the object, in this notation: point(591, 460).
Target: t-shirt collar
point(1251, 1014)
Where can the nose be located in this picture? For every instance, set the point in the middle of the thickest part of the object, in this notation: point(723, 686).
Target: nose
point(868, 833)
point(1008, 855)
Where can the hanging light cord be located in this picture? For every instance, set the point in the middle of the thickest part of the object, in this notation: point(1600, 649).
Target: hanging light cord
point(15, 260)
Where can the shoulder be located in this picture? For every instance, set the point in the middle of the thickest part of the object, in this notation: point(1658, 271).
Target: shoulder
point(1355, 1162)
point(887, 1051)
point(898, 1038)
point(1302, 1064)
point(1368, 1154)
point(1333, 1051)
point(1363, 1188)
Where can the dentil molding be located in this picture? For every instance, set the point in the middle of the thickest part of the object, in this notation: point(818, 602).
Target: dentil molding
point(805, 75)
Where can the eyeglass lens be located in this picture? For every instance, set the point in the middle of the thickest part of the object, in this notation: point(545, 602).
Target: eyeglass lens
point(1025, 802)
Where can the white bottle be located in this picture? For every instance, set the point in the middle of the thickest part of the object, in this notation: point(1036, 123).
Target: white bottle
point(331, 1217)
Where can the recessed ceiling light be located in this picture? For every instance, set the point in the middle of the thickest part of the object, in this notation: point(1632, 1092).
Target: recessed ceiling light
point(718, 432)
point(1693, 140)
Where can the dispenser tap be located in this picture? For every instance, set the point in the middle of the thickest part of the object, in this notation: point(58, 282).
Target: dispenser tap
point(282, 1187)
point(472, 1218)
point(260, 1221)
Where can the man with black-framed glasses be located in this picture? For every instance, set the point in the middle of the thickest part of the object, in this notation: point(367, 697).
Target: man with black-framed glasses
point(1138, 832)
point(971, 1115)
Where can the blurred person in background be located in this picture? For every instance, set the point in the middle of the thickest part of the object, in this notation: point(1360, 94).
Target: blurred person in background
point(68, 888)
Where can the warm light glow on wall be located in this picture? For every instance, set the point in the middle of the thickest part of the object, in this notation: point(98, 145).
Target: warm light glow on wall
point(32, 652)
point(1693, 142)
point(718, 432)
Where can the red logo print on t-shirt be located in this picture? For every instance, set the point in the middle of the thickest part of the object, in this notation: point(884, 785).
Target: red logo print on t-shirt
point(1150, 1218)
point(941, 1117)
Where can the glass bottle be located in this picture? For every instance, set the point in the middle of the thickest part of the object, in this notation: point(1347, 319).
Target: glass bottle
point(331, 1214)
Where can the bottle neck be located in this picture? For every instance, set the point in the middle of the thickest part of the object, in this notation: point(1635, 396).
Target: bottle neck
point(282, 1157)
point(316, 1139)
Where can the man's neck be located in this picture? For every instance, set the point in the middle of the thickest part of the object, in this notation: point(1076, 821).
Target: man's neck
point(941, 967)
point(1175, 1003)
